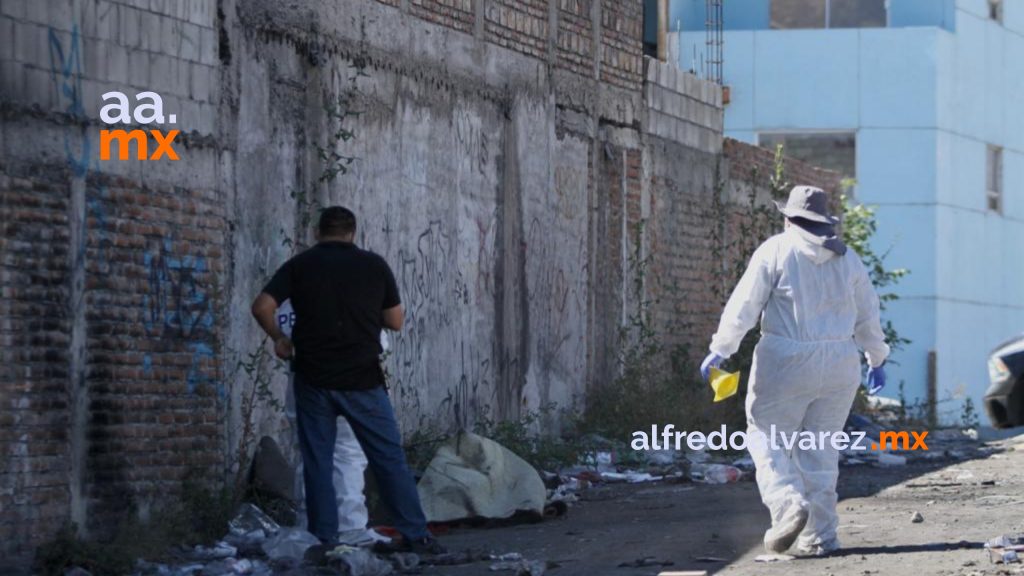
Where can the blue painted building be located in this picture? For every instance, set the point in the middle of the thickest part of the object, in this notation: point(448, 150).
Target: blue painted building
point(922, 102)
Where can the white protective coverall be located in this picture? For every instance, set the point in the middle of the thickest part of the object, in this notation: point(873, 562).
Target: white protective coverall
point(816, 308)
point(349, 460)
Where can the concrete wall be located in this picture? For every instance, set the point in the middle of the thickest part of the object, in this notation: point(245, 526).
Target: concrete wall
point(503, 153)
point(924, 103)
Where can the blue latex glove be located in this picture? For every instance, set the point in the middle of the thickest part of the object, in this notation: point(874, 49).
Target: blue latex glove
point(876, 379)
point(712, 360)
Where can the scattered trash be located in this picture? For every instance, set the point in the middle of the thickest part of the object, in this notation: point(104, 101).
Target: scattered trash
point(715, 473)
point(645, 562)
point(404, 561)
point(551, 480)
point(232, 566)
point(564, 493)
point(887, 459)
point(289, 543)
point(359, 561)
point(456, 558)
point(521, 567)
point(698, 456)
point(630, 477)
point(916, 517)
point(474, 477)
point(773, 558)
point(249, 519)
point(1001, 556)
point(215, 552)
point(1008, 542)
point(146, 568)
point(1004, 549)
point(604, 461)
point(746, 463)
point(664, 457)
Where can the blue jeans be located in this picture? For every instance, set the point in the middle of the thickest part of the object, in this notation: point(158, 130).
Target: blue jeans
point(373, 421)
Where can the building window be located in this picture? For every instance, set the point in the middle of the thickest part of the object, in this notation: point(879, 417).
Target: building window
point(651, 28)
point(828, 13)
point(835, 151)
point(994, 179)
point(995, 10)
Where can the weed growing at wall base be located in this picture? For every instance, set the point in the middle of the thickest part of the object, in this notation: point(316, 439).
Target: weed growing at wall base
point(198, 516)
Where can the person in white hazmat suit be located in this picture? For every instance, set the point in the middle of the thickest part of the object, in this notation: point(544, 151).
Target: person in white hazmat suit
point(349, 464)
point(817, 306)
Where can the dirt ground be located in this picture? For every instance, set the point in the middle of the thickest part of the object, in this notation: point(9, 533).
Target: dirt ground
point(719, 528)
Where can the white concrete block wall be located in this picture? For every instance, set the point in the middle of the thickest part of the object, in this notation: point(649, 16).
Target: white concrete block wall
point(129, 46)
point(683, 107)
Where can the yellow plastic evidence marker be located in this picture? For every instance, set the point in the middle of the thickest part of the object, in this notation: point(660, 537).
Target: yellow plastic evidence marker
point(724, 383)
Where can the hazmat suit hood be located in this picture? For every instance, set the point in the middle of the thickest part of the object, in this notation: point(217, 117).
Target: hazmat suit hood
point(816, 241)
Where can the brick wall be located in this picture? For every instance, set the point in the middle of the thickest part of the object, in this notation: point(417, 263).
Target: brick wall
point(154, 258)
point(622, 25)
point(744, 158)
point(575, 36)
point(111, 385)
point(34, 336)
point(457, 14)
point(521, 25)
point(525, 26)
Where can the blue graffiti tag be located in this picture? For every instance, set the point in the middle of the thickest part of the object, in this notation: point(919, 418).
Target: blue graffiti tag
point(66, 70)
point(176, 306)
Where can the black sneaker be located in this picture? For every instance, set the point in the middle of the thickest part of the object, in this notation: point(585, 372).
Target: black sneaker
point(426, 546)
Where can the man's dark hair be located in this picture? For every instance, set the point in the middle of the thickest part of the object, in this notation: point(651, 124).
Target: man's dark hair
point(337, 221)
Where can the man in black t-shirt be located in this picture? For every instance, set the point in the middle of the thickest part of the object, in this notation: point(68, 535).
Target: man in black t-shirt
point(343, 296)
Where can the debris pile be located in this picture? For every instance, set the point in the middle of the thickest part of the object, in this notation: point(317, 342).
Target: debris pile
point(897, 449)
point(1005, 549)
point(610, 463)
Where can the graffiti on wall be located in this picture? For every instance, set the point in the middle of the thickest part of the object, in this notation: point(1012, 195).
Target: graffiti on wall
point(66, 72)
point(178, 307)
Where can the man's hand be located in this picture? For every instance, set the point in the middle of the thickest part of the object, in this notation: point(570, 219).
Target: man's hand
point(263, 309)
point(283, 348)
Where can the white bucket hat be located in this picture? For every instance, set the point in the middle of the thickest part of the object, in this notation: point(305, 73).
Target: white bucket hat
point(807, 202)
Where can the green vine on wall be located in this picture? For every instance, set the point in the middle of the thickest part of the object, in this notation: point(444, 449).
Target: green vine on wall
point(260, 366)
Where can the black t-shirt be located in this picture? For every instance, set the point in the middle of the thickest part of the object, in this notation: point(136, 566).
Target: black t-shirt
point(338, 292)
